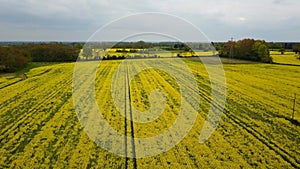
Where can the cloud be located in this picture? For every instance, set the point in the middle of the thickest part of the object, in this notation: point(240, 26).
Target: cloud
point(242, 19)
point(64, 18)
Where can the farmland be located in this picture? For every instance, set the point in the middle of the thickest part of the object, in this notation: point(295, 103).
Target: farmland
point(40, 128)
point(286, 58)
point(145, 53)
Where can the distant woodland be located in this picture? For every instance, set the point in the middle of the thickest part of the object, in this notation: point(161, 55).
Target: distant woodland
point(15, 57)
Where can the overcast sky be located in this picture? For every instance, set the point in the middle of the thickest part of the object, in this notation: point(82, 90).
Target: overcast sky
point(71, 20)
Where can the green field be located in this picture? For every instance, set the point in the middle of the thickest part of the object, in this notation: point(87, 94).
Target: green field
point(40, 128)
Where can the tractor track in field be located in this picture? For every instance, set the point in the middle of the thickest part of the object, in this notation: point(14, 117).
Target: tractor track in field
point(32, 111)
point(16, 97)
point(131, 117)
point(249, 129)
point(30, 136)
point(256, 134)
point(263, 139)
point(125, 124)
point(22, 144)
point(10, 84)
point(32, 107)
point(128, 116)
point(52, 94)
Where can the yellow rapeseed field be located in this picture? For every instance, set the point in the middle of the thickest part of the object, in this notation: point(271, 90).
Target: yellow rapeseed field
point(40, 128)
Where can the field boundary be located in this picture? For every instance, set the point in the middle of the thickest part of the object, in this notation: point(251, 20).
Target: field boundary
point(285, 64)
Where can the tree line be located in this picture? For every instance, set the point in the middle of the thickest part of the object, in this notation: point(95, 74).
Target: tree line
point(247, 49)
point(255, 50)
point(15, 57)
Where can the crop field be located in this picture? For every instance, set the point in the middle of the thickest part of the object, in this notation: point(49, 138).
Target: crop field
point(40, 128)
point(286, 58)
point(126, 52)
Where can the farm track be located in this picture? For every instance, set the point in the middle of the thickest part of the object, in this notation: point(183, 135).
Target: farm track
point(131, 118)
point(127, 159)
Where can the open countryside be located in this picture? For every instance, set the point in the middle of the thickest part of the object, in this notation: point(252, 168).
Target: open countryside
point(194, 84)
point(258, 129)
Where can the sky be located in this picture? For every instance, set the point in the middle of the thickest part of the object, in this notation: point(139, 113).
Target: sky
point(219, 20)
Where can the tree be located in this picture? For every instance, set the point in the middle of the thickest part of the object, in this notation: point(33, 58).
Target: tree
point(264, 54)
point(16, 57)
point(141, 44)
point(260, 52)
point(12, 59)
point(54, 52)
point(282, 50)
point(296, 48)
point(244, 48)
point(275, 45)
point(87, 52)
point(249, 49)
point(78, 45)
point(228, 49)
